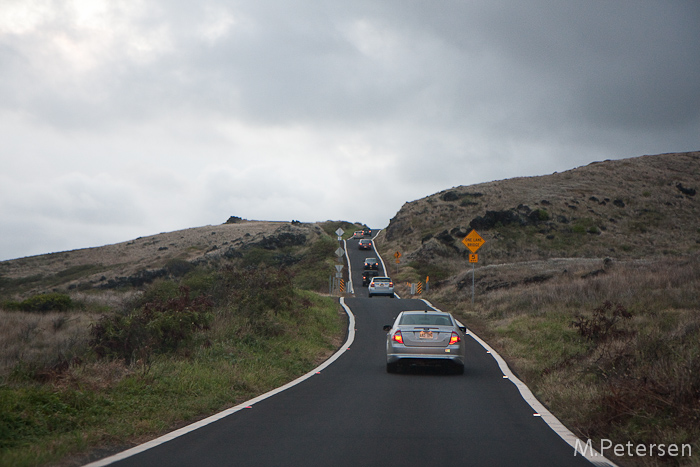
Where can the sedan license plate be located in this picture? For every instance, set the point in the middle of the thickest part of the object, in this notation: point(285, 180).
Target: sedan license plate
point(426, 335)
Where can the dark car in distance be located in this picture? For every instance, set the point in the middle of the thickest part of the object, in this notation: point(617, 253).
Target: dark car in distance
point(371, 263)
point(367, 276)
point(364, 244)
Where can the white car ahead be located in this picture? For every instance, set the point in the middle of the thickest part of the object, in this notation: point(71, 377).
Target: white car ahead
point(381, 286)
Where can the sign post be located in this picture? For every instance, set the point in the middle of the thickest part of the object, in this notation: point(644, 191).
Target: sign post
point(473, 241)
point(339, 268)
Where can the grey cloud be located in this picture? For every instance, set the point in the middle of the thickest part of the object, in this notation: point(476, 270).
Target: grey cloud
point(182, 105)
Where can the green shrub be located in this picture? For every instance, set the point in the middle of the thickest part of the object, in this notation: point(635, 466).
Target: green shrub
point(178, 267)
point(43, 303)
point(159, 290)
point(160, 326)
point(312, 271)
point(264, 297)
point(200, 281)
point(257, 256)
point(540, 215)
point(258, 290)
point(331, 226)
point(321, 249)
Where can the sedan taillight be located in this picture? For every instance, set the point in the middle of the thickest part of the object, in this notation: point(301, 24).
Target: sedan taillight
point(397, 337)
point(454, 338)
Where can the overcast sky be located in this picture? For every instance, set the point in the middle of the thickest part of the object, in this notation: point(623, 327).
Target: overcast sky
point(121, 119)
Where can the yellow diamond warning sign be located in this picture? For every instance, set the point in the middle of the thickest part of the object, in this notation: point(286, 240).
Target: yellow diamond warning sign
point(473, 241)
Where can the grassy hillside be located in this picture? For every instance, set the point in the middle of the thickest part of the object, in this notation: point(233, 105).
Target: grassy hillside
point(588, 284)
point(103, 348)
point(630, 208)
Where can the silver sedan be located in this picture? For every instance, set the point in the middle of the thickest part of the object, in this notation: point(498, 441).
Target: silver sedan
point(381, 286)
point(425, 338)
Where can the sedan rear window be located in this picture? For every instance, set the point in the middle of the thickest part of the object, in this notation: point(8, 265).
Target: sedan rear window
point(426, 319)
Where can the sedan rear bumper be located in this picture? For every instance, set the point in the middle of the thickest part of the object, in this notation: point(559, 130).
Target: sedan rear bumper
point(388, 293)
point(452, 354)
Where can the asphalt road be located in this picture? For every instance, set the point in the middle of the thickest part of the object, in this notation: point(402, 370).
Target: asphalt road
point(353, 413)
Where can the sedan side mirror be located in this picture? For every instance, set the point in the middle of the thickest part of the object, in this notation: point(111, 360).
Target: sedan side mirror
point(463, 328)
point(387, 327)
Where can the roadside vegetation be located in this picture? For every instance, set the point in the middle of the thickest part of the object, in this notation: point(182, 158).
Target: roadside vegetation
point(97, 371)
point(614, 355)
point(588, 285)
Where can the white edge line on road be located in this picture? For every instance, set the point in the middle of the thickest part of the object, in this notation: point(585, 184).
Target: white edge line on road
point(564, 433)
point(386, 273)
point(351, 286)
point(184, 430)
point(374, 240)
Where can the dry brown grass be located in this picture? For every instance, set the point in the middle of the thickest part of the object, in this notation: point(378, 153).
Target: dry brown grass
point(93, 376)
point(41, 340)
point(641, 384)
point(49, 343)
point(665, 283)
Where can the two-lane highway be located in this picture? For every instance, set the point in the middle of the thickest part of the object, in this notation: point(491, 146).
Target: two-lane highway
point(353, 413)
